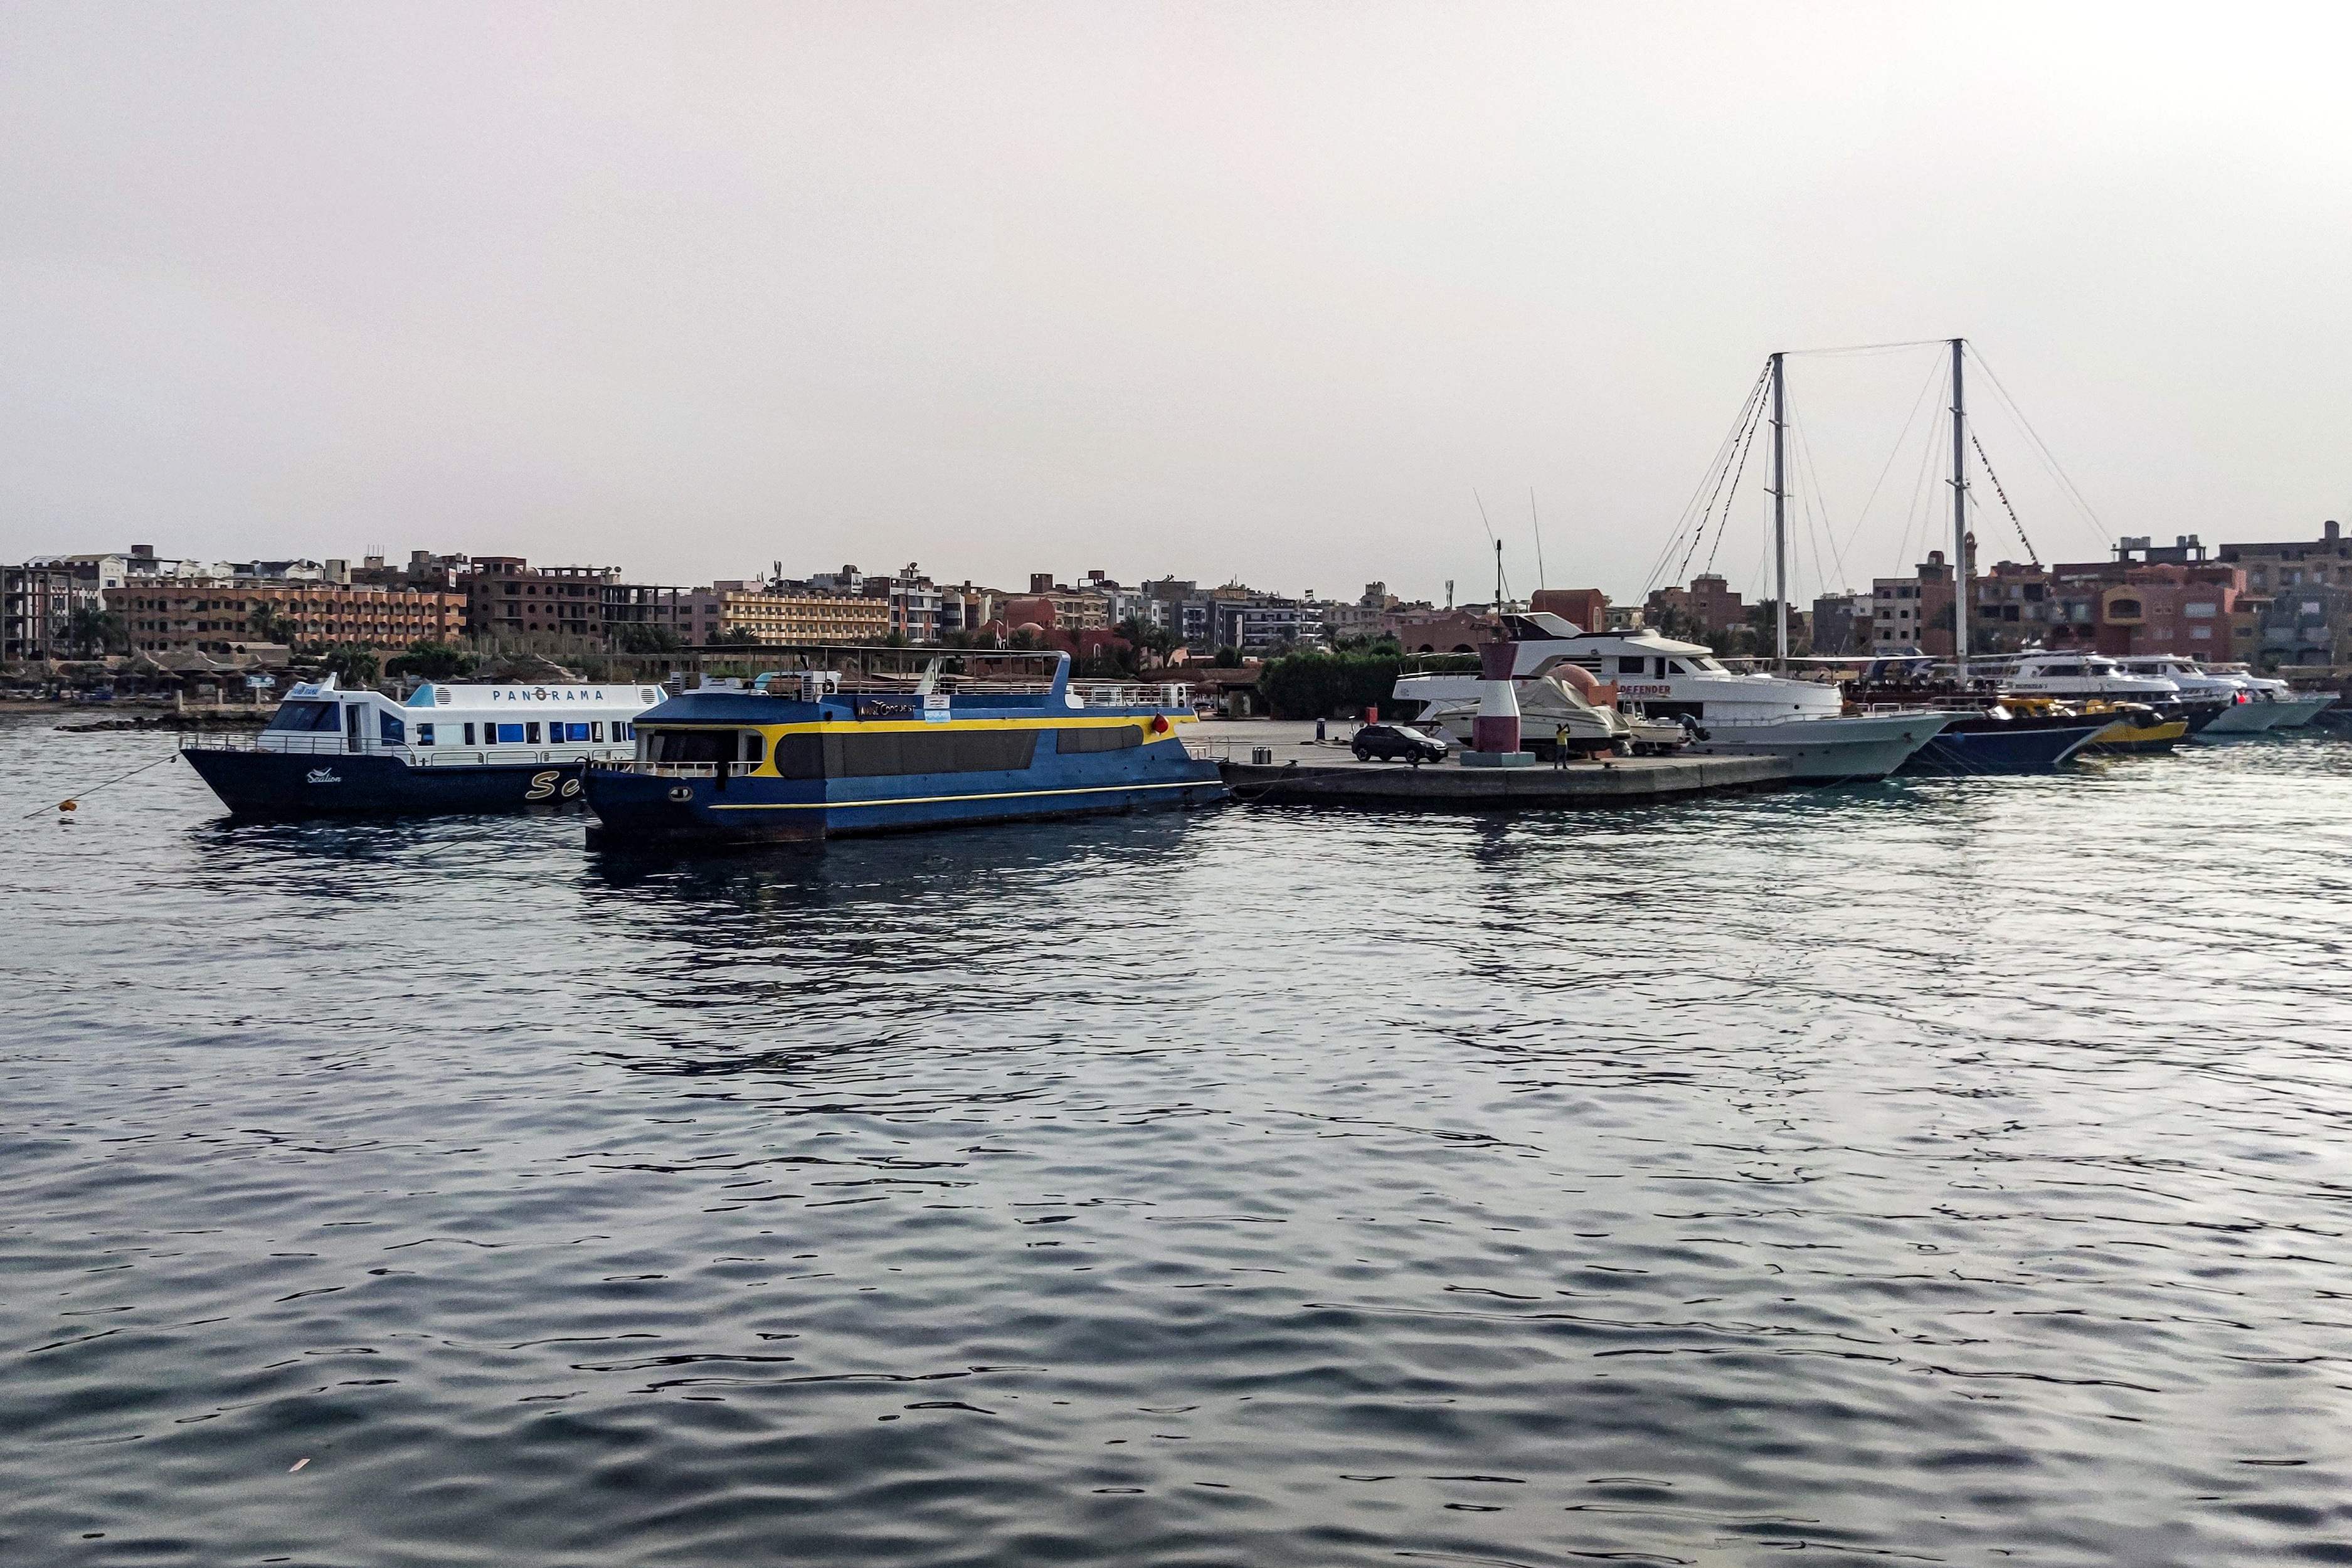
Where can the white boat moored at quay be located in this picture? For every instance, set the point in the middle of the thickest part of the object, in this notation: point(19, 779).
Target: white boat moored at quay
point(450, 746)
point(2248, 711)
point(1726, 712)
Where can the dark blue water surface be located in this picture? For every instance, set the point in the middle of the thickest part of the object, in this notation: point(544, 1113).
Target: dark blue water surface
point(1954, 1171)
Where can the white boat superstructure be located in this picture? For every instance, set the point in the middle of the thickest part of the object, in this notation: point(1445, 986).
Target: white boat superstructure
point(2248, 712)
point(1551, 702)
point(450, 722)
point(1725, 711)
point(2071, 675)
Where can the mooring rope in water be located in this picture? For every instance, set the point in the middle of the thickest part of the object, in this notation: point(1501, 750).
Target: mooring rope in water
point(73, 802)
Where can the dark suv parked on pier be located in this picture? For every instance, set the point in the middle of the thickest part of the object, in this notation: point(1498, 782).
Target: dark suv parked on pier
point(1396, 742)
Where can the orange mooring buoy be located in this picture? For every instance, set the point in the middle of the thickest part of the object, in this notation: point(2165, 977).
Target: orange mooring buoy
point(68, 805)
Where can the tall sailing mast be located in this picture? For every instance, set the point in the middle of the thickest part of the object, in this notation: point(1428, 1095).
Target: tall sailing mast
point(1779, 521)
point(1960, 605)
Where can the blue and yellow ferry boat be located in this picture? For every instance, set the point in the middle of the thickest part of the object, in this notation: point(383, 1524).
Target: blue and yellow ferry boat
point(805, 755)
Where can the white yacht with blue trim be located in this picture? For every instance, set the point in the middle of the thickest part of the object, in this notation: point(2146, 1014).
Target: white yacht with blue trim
point(448, 747)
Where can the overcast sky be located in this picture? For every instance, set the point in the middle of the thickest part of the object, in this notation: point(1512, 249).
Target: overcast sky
point(1262, 291)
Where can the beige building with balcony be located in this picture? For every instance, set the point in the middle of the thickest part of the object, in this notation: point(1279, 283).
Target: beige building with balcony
point(733, 610)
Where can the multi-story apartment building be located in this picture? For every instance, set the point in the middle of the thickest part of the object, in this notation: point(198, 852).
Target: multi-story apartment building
point(1914, 613)
point(2308, 585)
point(208, 615)
point(38, 599)
point(964, 610)
point(2148, 599)
point(1708, 605)
point(1074, 609)
point(511, 601)
point(1843, 624)
point(784, 613)
point(36, 605)
point(1263, 622)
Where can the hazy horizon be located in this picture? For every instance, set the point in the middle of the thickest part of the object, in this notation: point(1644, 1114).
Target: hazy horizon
point(1265, 292)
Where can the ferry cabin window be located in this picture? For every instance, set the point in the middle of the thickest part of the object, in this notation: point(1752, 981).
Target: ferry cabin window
point(424, 734)
point(689, 745)
point(531, 732)
point(955, 752)
point(507, 734)
point(391, 731)
point(306, 715)
point(1108, 738)
point(755, 746)
point(1630, 666)
point(597, 730)
point(469, 734)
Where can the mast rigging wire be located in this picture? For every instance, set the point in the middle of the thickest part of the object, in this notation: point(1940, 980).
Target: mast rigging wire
point(1731, 498)
point(2014, 520)
point(2049, 459)
point(1740, 422)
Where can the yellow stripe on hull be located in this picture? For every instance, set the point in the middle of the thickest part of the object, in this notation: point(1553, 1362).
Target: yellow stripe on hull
point(939, 799)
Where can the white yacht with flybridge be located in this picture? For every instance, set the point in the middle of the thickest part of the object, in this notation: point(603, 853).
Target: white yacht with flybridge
point(2246, 711)
point(1723, 712)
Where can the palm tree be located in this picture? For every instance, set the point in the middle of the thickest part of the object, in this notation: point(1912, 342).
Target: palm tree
point(92, 630)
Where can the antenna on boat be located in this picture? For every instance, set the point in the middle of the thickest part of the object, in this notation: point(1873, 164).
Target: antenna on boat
point(1960, 518)
point(1537, 518)
point(1497, 543)
point(1779, 517)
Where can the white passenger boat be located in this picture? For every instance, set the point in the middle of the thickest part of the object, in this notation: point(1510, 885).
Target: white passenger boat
point(449, 747)
point(1725, 712)
point(2072, 676)
point(2247, 709)
point(2296, 708)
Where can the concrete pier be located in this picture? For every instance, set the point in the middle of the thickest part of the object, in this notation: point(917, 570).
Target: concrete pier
point(1628, 781)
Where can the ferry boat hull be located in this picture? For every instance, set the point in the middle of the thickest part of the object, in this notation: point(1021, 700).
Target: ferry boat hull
point(797, 758)
point(635, 808)
point(292, 784)
point(1826, 751)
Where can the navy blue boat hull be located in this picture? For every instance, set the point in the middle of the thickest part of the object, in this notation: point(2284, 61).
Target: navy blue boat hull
point(279, 784)
point(647, 808)
point(2009, 747)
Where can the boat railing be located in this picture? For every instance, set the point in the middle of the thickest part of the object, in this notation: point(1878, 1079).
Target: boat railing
point(1132, 694)
point(324, 745)
point(675, 770)
point(1093, 693)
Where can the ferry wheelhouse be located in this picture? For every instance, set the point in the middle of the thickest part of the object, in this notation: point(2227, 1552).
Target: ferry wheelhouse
point(448, 747)
point(805, 755)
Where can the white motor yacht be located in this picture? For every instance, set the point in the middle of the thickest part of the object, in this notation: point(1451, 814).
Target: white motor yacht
point(1559, 699)
point(2073, 674)
point(2249, 711)
point(2296, 708)
point(1725, 712)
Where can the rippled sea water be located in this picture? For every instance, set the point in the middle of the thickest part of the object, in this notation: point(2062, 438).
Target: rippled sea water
point(1950, 1171)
